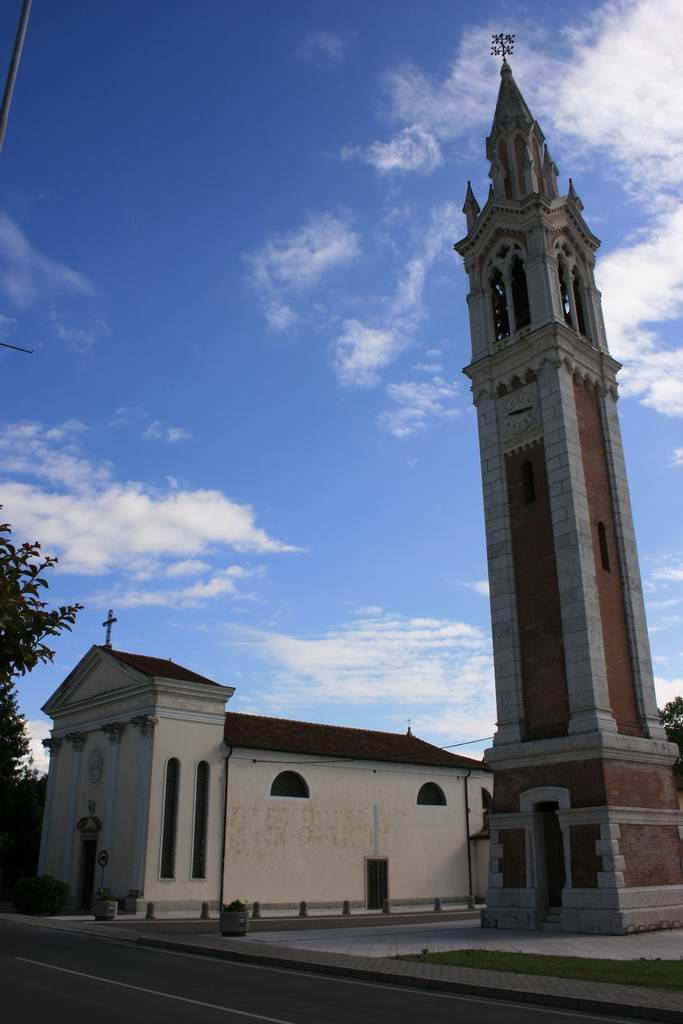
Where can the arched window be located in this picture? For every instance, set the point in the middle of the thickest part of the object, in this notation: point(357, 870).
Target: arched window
point(578, 302)
point(528, 484)
point(501, 320)
point(520, 295)
point(289, 784)
point(486, 800)
point(201, 800)
point(431, 795)
point(168, 829)
point(604, 550)
point(564, 295)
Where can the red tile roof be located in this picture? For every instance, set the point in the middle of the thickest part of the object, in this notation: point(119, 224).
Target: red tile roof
point(337, 741)
point(162, 668)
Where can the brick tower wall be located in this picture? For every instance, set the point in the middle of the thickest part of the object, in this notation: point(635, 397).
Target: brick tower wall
point(620, 679)
point(546, 705)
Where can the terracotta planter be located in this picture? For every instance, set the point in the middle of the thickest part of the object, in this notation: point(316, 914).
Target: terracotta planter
point(234, 922)
point(104, 910)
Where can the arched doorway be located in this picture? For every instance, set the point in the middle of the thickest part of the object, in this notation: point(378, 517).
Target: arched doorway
point(89, 829)
point(552, 849)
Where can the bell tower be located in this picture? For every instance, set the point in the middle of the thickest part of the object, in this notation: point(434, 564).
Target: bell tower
point(585, 828)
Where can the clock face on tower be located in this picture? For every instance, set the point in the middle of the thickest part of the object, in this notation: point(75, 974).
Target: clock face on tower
point(518, 411)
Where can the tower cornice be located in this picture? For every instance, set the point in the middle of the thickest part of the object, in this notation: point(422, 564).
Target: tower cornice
point(552, 342)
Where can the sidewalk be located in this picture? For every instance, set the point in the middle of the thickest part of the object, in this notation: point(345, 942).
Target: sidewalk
point(630, 1001)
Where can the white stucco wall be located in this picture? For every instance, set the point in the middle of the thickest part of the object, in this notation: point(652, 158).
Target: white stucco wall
point(282, 850)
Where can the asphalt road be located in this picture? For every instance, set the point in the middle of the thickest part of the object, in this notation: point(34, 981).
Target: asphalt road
point(50, 975)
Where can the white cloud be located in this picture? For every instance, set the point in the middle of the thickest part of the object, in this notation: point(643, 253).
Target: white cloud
point(79, 338)
point(413, 149)
point(667, 689)
point(219, 584)
point(39, 730)
point(479, 587)
point(361, 351)
point(677, 457)
point(322, 48)
point(97, 524)
point(419, 402)
point(26, 274)
point(382, 657)
point(187, 567)
point(158, 431)
point(288, 264)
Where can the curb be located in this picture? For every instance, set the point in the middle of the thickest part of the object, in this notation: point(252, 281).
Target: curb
point(377, 974)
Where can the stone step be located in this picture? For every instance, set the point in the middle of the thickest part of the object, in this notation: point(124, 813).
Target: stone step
point(551, 925)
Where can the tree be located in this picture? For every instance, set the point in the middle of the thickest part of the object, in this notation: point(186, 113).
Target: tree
point(25, 620)
point(671, 717)
point(26, 623)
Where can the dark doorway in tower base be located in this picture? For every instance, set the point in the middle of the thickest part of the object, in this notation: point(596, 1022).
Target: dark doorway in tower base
point(377, 884)
point(553, 854)
point(88, 851)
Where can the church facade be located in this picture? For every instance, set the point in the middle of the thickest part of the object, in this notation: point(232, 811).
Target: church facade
point(585, 829)
point(194, 804)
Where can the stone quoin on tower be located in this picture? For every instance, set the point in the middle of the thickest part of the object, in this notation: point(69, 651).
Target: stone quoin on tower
point(584, 825)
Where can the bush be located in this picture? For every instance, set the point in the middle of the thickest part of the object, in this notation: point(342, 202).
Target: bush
point(42, 895)
point(235, 907)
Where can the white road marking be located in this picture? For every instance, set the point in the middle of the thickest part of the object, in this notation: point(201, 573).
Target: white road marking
point(155, 992)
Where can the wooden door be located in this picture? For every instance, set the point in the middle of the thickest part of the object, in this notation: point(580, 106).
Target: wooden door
point(378, 886)
point(554, 857)
point(87, 872)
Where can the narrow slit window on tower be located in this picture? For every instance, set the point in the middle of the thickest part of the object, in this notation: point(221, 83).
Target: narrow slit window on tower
point(168, 831)
point(578, 303)
point(201, 794)
point(604, 549)
point(564, 295)
point(501, 319)
point(528, 483)
point(520, 295)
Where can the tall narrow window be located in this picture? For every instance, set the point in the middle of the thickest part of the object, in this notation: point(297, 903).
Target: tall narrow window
point(170, 819)
point(528, 484)
point(604, 549)
point(201, 797)
point(520, 295)
point(578, 303)
point(564, 295)
point(501, 320)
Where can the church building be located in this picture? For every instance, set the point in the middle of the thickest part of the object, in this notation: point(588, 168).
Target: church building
point(194, 804)
point(585, 828)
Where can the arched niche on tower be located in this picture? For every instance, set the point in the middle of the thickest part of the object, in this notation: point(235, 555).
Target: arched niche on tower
point(506, 289)
point(573, 277)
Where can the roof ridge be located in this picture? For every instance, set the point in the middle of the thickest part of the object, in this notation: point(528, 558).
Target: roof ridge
point(328, 725)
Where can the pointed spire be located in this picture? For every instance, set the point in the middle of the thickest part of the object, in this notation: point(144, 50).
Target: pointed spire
point(550, 174)
point(471, 209)
point(572, 194)
point(515, 144)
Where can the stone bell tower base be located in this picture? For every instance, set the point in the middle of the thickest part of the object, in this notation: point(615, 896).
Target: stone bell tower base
point(585, 835)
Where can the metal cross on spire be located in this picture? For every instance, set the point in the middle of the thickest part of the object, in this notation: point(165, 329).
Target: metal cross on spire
point(109, 622)
point(502, 44)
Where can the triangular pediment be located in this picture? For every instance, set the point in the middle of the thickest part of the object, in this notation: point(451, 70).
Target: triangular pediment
point(96, 676)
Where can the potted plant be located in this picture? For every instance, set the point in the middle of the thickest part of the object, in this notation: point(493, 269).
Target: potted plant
point(104, 905)
point(234, 918)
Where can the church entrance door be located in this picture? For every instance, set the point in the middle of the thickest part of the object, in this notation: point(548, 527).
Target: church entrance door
point(378, 886)
point(88, 851)
point(553, 850)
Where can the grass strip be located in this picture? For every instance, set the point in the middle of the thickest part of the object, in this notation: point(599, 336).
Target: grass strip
point(664, 974)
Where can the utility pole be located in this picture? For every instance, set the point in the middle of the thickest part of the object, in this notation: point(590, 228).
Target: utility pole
point(13, 69)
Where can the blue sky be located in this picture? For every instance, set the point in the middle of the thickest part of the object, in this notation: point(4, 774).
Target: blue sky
point(226, 229)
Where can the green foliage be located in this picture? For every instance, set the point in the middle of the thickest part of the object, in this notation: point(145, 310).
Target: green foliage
point(671, 717)
point(236, 907)
point(21, 814)
point(104, 894)
point(41, 895)
point(25, 620)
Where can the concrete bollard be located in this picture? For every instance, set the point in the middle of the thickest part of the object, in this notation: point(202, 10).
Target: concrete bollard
point(149, 914)
point(386, 906)
point(437, 905)
point(346, 908)
point(204, 913)
point(303, 909)
point(256, 909)
point(470, 902)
